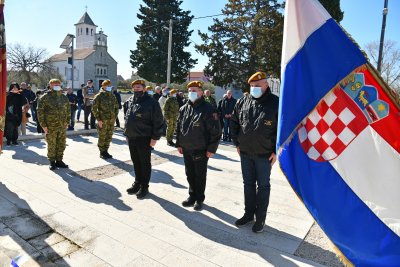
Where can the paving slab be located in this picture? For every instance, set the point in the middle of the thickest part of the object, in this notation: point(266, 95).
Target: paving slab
point(94, 222)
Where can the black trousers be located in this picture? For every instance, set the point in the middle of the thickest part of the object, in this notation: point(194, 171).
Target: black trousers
point(11, 131)
point(140, 151)
point(88, 110)
point(196, 173)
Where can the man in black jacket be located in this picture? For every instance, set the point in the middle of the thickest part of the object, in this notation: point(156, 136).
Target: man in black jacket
point(198, 134)
point(143, 127)
point(227, 106)
point(253, 130)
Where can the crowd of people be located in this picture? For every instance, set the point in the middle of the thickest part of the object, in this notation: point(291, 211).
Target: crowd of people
point(196, 123)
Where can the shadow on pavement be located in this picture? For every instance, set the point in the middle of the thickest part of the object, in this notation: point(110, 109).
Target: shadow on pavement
point(22, 152)
point(93, 191)
point(225, 233)
point(81, 138)
point(27, 230)
point(162, 177)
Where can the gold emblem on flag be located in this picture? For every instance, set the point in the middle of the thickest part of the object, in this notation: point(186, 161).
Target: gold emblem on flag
point(2, 123)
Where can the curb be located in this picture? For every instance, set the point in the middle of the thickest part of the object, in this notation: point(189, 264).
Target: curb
point(69, 133)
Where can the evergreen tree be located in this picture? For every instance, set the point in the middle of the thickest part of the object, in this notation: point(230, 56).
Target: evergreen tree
point(248, 39)
point(150, 55)
point(333, 8)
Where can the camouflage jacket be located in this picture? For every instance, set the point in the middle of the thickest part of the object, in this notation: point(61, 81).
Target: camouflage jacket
point(171, 108)
point(105, 106)
point(211, 100)
point(53, 110)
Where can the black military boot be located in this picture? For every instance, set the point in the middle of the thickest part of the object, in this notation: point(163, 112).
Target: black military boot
point(258, 226)
point(133, 189)
point(61, 164)
point(52, 166)
point(103, 155)
point(108, 155)
point(198, 206)
point(188, 202)
point(143, 191)
point(244, 220)
point(171, 143)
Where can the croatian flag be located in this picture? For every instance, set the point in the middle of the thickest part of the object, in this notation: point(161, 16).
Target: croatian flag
point(339, 137)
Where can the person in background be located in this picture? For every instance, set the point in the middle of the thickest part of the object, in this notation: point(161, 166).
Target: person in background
point(163, 98)
point(209, 98)
point(181, 99)
point(79, 99)
point(219, 107)
point(157, 93)
point(143, 127)
point(72, 98)
point(227, 106)
point(14, 103)
point(118, 97)
point(171, 113)
point(88, 93)
point(105, 110)
point(54, 116)
point(39, 94)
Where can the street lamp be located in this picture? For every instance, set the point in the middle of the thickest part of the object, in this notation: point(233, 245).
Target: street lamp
point(385, 11)
point(169, 52)
point(68, 40)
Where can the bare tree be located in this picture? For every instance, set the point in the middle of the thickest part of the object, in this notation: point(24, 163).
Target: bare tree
point(27, 61)
point(390, 61)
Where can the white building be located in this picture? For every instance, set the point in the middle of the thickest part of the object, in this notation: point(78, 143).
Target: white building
point(91, 58)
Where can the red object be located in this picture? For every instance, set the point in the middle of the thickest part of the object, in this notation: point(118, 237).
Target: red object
point(3, 73)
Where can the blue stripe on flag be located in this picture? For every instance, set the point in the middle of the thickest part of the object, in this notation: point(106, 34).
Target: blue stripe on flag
point(326, 58)
point(340, 213)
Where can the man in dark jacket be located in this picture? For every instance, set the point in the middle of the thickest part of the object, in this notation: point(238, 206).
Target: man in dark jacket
point(197, 136)
point(72, 99)
point(143, 127)
point(157, 93)
point(88, 93)
point(14, 103)
point(79, 99)
point(118, 97)
point(253, 129)
point(227, 106)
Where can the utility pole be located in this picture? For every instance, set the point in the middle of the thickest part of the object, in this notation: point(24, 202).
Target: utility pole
point(72, 62)
point(385, 11)
point(169, 53)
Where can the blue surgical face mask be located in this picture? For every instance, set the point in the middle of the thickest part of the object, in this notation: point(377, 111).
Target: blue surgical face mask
point(56, 88)
point(192, 96)
point(109, 88)
point(150, 92)
point(174, 95)
point(256, 92)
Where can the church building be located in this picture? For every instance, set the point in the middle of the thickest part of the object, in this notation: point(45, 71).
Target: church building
point(91, 58)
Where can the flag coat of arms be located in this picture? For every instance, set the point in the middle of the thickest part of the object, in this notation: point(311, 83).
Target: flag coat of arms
point(339, 137)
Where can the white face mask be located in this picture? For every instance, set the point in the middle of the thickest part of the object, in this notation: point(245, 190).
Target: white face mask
point(109, 88)
point(256, 92)
point(174, 95)
point(192, 96)
point(56, 88)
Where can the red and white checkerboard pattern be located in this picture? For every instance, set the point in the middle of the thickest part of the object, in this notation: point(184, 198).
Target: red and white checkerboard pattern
point(331, 126)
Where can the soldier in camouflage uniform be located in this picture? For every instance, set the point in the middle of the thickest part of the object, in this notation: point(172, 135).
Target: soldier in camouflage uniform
point(209, 98)
point(54, 115)
point(171, 113)
point(105, 110)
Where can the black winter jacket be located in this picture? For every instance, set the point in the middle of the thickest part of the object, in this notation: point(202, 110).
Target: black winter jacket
point(227, 106)
point(198, 127)
point(254, 124)
point(14, 103)
point(143, 118)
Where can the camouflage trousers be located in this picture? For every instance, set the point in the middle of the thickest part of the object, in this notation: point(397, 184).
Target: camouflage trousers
point(171, 125)
point(105, 135)
point(56, 142)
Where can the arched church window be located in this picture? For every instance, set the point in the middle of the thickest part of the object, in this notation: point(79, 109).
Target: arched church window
point(91, 32)
point(87, 31)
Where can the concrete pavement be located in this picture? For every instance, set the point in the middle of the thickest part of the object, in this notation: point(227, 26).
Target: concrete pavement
point(82, 216)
